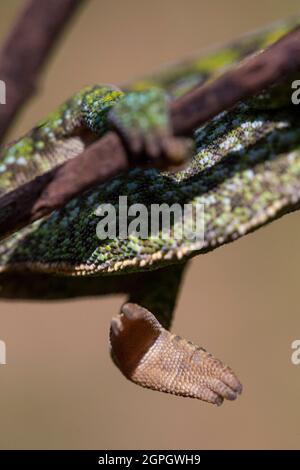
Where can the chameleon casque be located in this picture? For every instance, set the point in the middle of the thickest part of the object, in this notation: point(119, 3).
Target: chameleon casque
point(245, 169)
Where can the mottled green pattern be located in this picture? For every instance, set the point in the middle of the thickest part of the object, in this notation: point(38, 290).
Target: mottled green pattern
point(142, 113)
point(96, 105)
point(246, 171)
point(57, 138)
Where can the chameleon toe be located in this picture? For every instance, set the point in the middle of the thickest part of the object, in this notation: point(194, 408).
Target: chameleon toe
point(208, 395)
point(227, 376)
point(177, 150)
point(221, 389)
point(142, 120)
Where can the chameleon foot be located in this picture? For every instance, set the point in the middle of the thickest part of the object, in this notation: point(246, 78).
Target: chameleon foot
point(150, 356)
point(142, 120)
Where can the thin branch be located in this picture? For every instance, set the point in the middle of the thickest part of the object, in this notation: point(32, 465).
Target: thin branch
point(251, 76)
point(102, 160)
point(26, 49)
point(106, 157)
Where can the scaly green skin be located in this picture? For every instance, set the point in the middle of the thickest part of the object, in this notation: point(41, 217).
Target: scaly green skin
point(56, 138)
point(246, 170)
point(232, 150)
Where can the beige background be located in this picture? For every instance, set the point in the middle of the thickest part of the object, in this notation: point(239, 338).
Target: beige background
point(59, 388)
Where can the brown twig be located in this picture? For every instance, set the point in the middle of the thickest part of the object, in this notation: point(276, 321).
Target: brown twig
point(101, 160)
point(26, 49)
point(106, 157)
point(251, 76)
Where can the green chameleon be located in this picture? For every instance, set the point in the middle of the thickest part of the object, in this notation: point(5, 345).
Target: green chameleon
point(245, 170)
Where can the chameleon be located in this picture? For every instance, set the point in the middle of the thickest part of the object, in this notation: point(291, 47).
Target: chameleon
point(244, 168)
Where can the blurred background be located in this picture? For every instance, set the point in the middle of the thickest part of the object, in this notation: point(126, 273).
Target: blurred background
point(59, 389)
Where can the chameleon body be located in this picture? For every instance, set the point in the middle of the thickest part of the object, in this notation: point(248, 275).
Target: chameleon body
point(245, 170)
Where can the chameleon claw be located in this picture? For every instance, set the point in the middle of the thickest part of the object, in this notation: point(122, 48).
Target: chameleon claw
point(142, 121)
point(177, 150)
point(152, 357)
